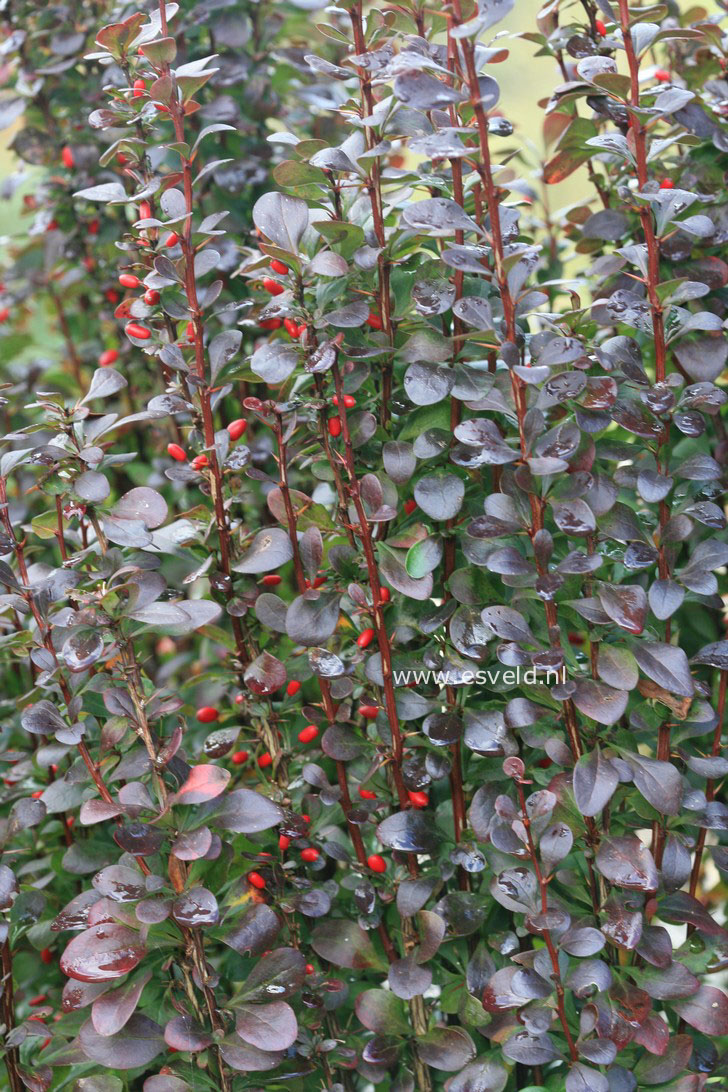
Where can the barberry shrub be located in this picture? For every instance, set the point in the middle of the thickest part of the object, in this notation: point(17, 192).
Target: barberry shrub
point(362, 522)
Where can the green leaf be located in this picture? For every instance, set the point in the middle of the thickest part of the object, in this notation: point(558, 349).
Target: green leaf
point(161, 52)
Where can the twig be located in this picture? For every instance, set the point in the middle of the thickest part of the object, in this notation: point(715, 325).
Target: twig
point(710, 784)
point(548, 940)
point(325, 689)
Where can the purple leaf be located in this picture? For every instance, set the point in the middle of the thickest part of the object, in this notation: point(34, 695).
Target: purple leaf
point(102, 952)
point(137, 1044)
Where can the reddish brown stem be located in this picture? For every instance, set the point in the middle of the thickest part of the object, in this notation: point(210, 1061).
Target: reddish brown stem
point(548, 940)
point(7, 1007)
point(639, 137)
point(327, 700)
point(374, 189)
point(710, 785)
point(456, 772)
point(518, 387)
point(216, 482)
point(45, 634)
point(365, 535)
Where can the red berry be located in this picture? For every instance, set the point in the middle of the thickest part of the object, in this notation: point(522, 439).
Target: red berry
point(108, 357)
point(272, 286)
point(279, 267)
point(151, 297)
point(46, 955)
point(67, 157)
point(37, 794)
point(265, 760)
point(369, 712)
point(177, 452)
point(199, 461)
point(662, 75)
point(172, 239)
point(161, 108)
point(4, 314)
point(377, 863)
point(293, 328)
point(133, 329)
point(237, 428)
point(349, 400)
point(112, 295)
point(93, 227)
point(418, 799)
point(306, 818)
point(367, 794)
point(284, 841)
point(374, 321)
point(270, 324)
point(334, 426)
point(240, 757)
point(293, 687)
point(70, 820)
point(308, 734)
point(601, 27)
point(190, 331)
point(271, 580)
point(319, 581)
point(384, 595)
point(38, 1000)
point(310, 969)
point(139, 88)
point(409, 506)
point(256, 880)
point(239, 699)
point(145, 210)
point(365, 638)
point(207, 714)
point(128, 280)
point(667, 184)
point(310, 854)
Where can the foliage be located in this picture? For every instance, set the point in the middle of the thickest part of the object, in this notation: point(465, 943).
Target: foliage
point(363, 552)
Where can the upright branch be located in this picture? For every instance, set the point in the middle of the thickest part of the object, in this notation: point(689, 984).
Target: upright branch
point(543, 881)
point(710, 787)
point(364, 531)
point(7, 1008)
point(374, 190)
point(518, 386)
point(324, 687)
point(639, 143)
point(177, 113)
point(638, 133)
